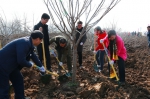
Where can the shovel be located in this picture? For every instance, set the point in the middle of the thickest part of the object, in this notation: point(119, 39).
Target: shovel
point(95, 63)
point(112, 69)
point(45, 78)
point(110, 64)
point(66, 73)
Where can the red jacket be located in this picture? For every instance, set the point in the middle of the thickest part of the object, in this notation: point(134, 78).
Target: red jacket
point(121, 50)
point(101, 36)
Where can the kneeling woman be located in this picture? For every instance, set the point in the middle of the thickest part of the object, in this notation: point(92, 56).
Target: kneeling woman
point(116, 48)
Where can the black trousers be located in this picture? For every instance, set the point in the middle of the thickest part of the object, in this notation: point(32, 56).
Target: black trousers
point(80, 58)
point(47, 55)
point(17, 81)
point(121, 67)
point(100, 58)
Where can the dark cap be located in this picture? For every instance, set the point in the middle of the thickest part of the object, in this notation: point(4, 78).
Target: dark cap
point(36, 34)
point(98, 28)
point(80, 22)
point(45, 16)
point(111, 32)
point(62, 41)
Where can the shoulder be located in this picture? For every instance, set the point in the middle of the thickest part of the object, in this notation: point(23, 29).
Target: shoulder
point(25, 41)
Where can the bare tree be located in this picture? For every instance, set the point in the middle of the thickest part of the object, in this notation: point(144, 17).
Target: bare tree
point(12, 29)
point(65, 15)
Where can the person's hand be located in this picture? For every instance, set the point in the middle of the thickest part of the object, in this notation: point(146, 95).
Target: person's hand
point(101, 41)
point(81, 43)
point(41, 29)
point(60, 63)
point(71, 38)
point(111, 62)
point(52, 51)
point(94, 52)
point(41, 69)
point(31, 63)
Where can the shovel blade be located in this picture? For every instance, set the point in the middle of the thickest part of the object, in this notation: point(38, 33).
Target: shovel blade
point(95, 67)
point(63, 78)
point(45, 79)
point(68, 74)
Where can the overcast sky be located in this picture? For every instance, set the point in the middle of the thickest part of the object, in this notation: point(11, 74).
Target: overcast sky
point(130, 15)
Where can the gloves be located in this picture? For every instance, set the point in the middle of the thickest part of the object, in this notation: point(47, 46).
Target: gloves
point(41, 29)
point(52, 51)
point(81, 43)
point(94, 52)
point(71, 38)
point(42, 69)
point(60, 63)
point(31, 63)
point(111, 62)
point(101, 41)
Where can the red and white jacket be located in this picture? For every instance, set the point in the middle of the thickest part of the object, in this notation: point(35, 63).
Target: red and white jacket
point(100, 36)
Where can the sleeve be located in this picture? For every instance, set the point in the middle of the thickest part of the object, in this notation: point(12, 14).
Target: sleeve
point(67, 52)
point(35, 27)
point(36, 60)
point(84, 38)
point(21, 50)
point(52, 40)
point(119, 45)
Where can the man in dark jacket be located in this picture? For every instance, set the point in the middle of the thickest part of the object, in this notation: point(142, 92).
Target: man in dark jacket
point(148, 35)
point(14, 56)
point(42, 26)
point(81, 43)
point(63, 48)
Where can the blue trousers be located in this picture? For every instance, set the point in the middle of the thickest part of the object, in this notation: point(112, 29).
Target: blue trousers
point(121, 67)
point(100, 58)
point(17, 81)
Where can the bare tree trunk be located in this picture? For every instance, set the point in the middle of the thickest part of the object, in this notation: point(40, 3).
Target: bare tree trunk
point(74, 62)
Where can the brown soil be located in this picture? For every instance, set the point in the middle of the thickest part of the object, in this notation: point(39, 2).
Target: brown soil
point(92, 85)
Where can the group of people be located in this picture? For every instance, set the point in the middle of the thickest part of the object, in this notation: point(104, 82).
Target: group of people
point(113, 45)
point(17, 54)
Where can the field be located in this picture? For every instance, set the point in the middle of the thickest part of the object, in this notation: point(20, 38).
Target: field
point(92, 85)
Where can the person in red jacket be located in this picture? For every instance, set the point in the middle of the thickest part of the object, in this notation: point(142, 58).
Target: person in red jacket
point(117, 52)
point(99, 49)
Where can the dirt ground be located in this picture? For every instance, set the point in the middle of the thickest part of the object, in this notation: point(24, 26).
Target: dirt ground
point(92, 85)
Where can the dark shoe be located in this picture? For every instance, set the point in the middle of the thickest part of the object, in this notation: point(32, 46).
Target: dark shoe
point(80, 66)
point(122, 83)
point(27, 98)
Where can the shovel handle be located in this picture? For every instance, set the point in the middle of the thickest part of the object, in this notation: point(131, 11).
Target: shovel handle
point(47, 71)
point(110, 64)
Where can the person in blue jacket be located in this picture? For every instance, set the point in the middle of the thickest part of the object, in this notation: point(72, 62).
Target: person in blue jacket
point(13, 57)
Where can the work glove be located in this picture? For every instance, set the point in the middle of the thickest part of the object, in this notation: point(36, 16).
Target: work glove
point(60, 63)
point(101, 41)
point(81, 43)
point(41, 69)
point(51, 51)
point(111, 62)
point(31, 63)
point(94, 52)
point(41, 29)
point(71, 38)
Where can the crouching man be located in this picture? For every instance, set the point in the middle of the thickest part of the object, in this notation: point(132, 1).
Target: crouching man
point(13, 57)
point(63, 48)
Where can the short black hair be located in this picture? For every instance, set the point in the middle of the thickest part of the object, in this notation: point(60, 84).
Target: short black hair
point(111, 32)
point(62, 41)
point(148, 26)
point(80, 22)
point(45, 16)
point(98, 28)
point(36, 34)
